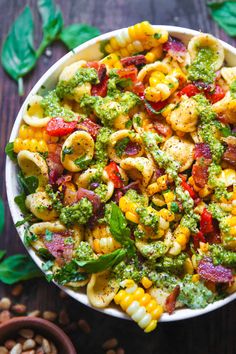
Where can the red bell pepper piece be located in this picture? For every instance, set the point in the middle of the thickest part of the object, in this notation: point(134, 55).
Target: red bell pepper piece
point(197, 238)
point(58, 127)
point(138, 88)
point(189, 90)
point(216, 95)
point(206, 222)
point(114, 174)
point(130, 72)
point(91, 127)
point(154, 108)
point(188, 188)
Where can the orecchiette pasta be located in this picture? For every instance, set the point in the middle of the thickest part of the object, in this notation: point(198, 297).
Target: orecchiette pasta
point(133, 159)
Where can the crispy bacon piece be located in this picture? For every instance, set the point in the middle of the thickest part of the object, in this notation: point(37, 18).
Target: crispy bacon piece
point(171, 300)
point(130, 72)
point(135, 60)
point(54, 162)
point(57, 246)
point(200, 174)
point(162, 128)
point(63, 179)
point(230, 155)
point(202, 150)
point(91, 196)
point(216, 274)
point(91, 127)
point(99, 89)
point(175, 48)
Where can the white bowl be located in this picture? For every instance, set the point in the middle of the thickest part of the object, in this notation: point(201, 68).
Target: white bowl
point(90, 51)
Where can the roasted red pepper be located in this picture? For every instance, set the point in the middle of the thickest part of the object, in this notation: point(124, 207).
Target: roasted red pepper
point(154, 108)
point(216, 95)
point(130, 72)
point(114, 174)
point(188, 188)
point(138, 88)
point(189, 90)
point(91, 127)
point(58, 127)
point(197, 238)
point(206, 222)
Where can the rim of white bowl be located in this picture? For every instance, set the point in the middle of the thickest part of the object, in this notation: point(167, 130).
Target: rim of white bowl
point(10, 176)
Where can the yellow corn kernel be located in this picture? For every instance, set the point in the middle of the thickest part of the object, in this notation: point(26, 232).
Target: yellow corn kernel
point(166, 214)
point(157, 312)
point(17, 145)
point(152, 325)
point(120, 296)
point(233, 211)
point(114, 44)
point(204, 192)
point(132, 217)
point(167, 110)
point(232, 231)
point(126, 205)
point(160, 233)
point(195, 278)
point(126, 302)
point(154, 54)
point(42, 146)
point(158, 200)
point(182, 240)
point(231, 221)
point(159, 185)
point(147, 283)
point(204, 246)
point(188, 266)
point(169, 197)
point(151, 306)
point(146, 298)
point(138, 293)
point(25, 131)
point(195, 187)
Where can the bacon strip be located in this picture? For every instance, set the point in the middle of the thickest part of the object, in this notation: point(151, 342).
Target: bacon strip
point(135, 60)
point(171, 300)
point(216, 274)
point(230, 155)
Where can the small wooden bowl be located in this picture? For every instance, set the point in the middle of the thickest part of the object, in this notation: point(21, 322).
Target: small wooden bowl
point(40, 326)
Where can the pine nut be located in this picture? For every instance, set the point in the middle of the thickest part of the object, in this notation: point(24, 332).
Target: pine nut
point(17, 349)
point(29, 344)
point(26, 333)
point(5, 303)
point(110, 343)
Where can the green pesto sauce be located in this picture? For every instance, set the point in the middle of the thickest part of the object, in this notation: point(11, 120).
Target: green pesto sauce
point(83, 75)
point(124, 271)
point(148, 218)
point(135, 197)
point(55, 198)
point(202, 68)
point(51, 105)
point(220, 215)
point(220, 189)
point(194, 295)
point(101, 191)
point(102, 140)
point(84, 252)
point(107, 109)
point(222, 256)
point(233, 90)
point(173, 265)
point(161, 279)
point(78, 213)
point(121, 146)
point(153, 250)
point(190, 221)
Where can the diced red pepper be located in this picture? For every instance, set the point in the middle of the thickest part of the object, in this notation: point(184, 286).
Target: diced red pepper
point(189, 90)
point(188, 188)
point(114, 174)
point(138, 88)
point(100, 89)
point(130, 72)
point(93, 64)
point(135, 60)
point(154, 108)
point(206, 222)
point(197, 238)
point(216, 95)
point(91, 127)
point(58, 127)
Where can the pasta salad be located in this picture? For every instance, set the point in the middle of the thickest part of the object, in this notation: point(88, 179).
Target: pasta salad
point(127, 171)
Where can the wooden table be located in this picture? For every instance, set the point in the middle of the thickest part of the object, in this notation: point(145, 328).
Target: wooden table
point(212, 333)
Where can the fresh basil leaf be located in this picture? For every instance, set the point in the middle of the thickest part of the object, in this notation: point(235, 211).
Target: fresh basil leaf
point(2, 254)
point(76, 34)
point(2, 215)
point(48, 235)
point(67, 151)
point(44, 254)
point(28, 184)
point(103, 262)
point(18, 54)
point(82, 162)
point(224, 13)
point(119, 229)
point(20, 201)
point(9, 150)
point(17, 268)
point(69, 273)
point(52, 23)
point(27, 218)
point(47, 266)
point(29, 237)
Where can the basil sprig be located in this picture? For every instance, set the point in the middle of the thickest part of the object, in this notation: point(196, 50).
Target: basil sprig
point(19, 56)
point(224, 13)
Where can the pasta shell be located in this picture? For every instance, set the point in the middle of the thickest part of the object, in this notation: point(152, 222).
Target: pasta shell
point(147, 69)
point(40, 205)
point(70, 70)
point(82, 145)
point(33, 164)
point(101, 289)
point(227, 108)
point(181, 150)
point(138, 168)
point(34, 113)
point(205, 40)
point(117, 137)
point(229, 74)
point(41, 227)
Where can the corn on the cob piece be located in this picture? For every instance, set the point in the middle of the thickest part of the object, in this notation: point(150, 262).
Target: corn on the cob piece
point(112, 61)
point(161, 86)
point(135, 39)
point(32, 145)
point(154, 54)
point(158, 186)
point(142, 308)
point(102, 240)
point(181, 235)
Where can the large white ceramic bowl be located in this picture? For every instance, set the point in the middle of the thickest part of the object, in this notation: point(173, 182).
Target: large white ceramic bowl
point(90, 51)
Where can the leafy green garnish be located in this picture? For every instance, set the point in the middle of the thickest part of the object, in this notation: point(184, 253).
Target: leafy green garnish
point(76, 34)
point(52, 23)
point(9, 150)
point(224, 13)
point(27, 218)
point(67, 151)
point(18, 54)
point(29, 237)
point(17, 268)
point(48, 235)
point(44, 254)
point(82, 162)
point(69, 273)
point(20, 201)
point(28, 184)
point(119, 229)
point(103, 262)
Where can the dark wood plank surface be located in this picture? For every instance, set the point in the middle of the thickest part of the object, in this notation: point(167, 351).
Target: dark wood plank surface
point(212, 333)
